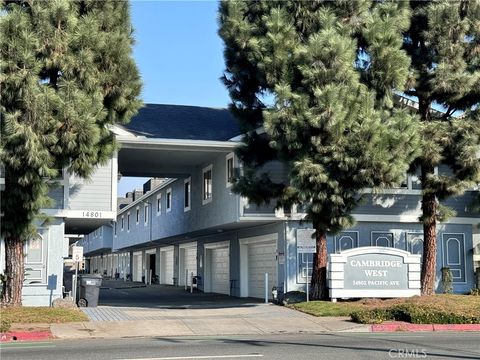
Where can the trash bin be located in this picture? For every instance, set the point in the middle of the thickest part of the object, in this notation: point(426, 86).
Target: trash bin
point(89, 290)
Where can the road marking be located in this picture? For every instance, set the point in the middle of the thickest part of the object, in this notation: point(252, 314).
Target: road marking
point(26, 345)
point(201, 357)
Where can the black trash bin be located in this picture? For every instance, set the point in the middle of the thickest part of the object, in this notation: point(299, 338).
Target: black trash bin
point(89, 290)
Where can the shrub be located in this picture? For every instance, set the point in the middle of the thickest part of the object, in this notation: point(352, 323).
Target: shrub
point(412, 313)
point(374, 316)
point(474, 292)
point(447, 280)
point(4, 325)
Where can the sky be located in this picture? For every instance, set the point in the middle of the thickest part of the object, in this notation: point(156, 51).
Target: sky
point(179, 55)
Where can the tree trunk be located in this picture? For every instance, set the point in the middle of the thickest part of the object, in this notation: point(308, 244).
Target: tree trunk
point(14, 272)
point(429, 208)
point(318, 289)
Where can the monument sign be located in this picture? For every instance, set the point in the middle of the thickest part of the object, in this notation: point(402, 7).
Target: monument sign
point(373, 271)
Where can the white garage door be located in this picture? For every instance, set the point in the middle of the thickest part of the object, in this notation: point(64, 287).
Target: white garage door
point(188, 261)
point(261, 260)
point(220, 270)
point(166, 266)
point(137, 267)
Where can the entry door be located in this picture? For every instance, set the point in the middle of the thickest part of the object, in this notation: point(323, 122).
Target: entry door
point(454, 255)
point(220, 270)
point(261, 260)
point(36, 258)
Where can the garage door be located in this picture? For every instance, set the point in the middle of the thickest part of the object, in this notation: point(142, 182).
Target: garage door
point(220, 270)
point(261, 260)
point(166, 266)
point(137, 267)
point(188, 261)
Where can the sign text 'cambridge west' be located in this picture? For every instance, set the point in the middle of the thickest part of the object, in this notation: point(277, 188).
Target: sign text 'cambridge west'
point(374, 272)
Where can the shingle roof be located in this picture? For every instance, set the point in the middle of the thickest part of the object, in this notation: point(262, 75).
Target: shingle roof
point(184, 122)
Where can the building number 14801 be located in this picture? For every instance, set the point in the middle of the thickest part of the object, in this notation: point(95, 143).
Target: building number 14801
point(92, 214)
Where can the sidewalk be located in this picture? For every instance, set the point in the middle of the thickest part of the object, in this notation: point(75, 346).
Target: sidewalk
point(258, 319)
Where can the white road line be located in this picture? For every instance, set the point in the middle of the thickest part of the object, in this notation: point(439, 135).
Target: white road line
point(201, 357)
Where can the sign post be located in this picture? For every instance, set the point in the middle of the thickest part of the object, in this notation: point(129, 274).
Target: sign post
point(306, 245)
point(77, 257)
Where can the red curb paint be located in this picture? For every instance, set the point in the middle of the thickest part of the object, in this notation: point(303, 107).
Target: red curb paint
point(456, 327)
point(25, 336)
point(402, 326)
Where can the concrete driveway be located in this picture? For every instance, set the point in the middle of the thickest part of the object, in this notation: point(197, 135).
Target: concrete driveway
point(117, 293)
point(125, 311)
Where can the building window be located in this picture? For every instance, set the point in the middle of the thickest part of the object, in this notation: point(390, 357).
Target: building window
point(159, 204)
point(187, 187)
point(123, 221)
point(169, 200)
point(128, 222)
point(115, 228)
point(145, 214)
point(229, 169)
point(137, 215)
point(207, 184)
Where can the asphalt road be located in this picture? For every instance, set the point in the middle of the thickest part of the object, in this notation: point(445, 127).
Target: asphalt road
point(302, 346)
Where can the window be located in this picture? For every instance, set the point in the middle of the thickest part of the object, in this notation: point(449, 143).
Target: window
point(115, 228)
point(145, 214)
point(137, 215)
point(128, 222)
point(169, 200)
point(159, 204)
point(207, 184)
point(229, 169)
point(123, 221)
point(186, 191)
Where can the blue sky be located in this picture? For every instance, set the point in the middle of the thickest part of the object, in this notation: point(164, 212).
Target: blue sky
point(179, 55)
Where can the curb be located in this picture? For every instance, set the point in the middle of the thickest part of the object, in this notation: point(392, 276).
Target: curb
point(25, 336)
point(424, 327)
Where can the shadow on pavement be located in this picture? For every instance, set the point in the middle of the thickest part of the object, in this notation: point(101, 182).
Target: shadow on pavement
point(125, 294)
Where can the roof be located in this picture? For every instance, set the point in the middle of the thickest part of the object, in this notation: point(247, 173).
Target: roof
point(183, 122)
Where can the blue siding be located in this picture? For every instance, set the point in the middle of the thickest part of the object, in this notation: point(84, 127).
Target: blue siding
point(223, 209)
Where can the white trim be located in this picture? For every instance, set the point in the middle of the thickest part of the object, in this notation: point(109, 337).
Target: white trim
point(393, 191)
point(79, 214)
point(151, 251)
point(176, 144)
point(114, 187)
point(217, 245)
point(445, 255)
point(346, 231)
point(410, 219)
point(189, 181)
point(230, 156)
point(159, 209)
point(407, 243)
point(380, 293)
point(168, 208)
point(383, 237)
point(205, 170)
point(146, 214)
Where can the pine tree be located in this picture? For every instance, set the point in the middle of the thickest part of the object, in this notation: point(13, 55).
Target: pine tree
point(443, 43)
point(67, 73)
point(332, 69)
